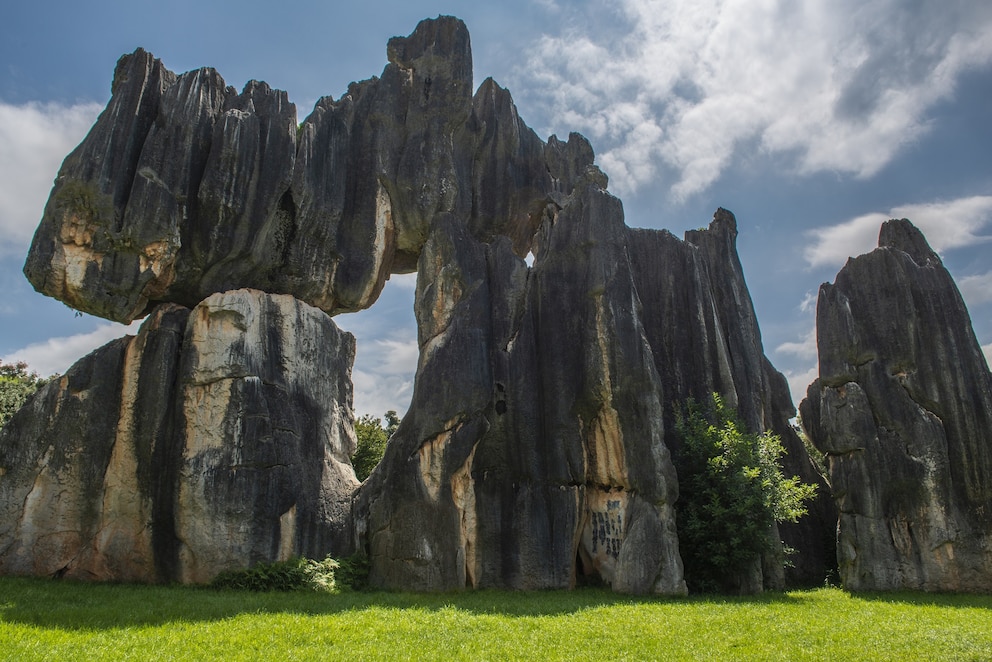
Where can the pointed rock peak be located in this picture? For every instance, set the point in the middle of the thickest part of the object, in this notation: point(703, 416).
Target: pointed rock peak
point(906, 237)
point(442, 37)
point(133, 66)
point(724, 221)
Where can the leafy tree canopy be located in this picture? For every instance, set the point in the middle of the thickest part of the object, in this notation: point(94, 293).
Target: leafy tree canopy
point(16, 384)
point(732, 491)
point(372, 437)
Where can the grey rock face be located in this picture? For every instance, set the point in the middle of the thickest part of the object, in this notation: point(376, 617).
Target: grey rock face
point(214, 439)
point(533, 453)
point(185, 188)
point(704, 337)
point(536, 450)
point(536, 453)
point(903, 411)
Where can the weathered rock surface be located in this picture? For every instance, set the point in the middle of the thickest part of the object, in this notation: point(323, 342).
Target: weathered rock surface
point(214, 439)
point(903, 411)
point(536, 452)
point(185, 188)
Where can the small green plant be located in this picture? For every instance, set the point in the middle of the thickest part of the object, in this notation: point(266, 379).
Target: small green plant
point(732, 491)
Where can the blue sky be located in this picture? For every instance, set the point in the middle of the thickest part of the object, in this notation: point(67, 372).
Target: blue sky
point(812, 121)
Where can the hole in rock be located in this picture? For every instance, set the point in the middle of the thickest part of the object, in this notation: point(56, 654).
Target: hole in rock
point(386, 349)
point(585, 572)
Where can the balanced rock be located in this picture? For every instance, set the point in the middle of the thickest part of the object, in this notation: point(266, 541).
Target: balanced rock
point(184, 187)
point(903, 411)
point(216, 438)
point(537, 449)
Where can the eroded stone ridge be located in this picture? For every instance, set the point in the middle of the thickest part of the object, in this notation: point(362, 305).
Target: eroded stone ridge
point(215, 438)
point(903, 411)
point(184, 187)
point(537, 449)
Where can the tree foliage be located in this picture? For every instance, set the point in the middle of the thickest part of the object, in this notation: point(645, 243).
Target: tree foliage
point(16, 385)
point(372, 438)
point(732, 491)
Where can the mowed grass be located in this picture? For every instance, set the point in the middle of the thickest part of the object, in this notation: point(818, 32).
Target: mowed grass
point(50, 620)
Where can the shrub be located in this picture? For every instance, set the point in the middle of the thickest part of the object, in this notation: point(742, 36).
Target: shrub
point(327, 576)
point(731, 493)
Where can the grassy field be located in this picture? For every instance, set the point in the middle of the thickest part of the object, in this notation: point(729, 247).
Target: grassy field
point(49, 620)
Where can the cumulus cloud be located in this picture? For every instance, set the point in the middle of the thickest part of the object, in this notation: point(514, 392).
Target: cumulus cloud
point(947, 225)
point(799, 380)
point(976, 289)
point(34, 139)
point(384, 372)
point(58, 354)
point(803, 349)
point(685, 85)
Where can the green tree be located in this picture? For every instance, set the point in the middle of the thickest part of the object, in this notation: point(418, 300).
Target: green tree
point(16, 384)
point(732, 491)
point(372, 438)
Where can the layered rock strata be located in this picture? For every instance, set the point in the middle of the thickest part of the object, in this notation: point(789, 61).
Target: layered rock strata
point(215, 438)
point(903, 411)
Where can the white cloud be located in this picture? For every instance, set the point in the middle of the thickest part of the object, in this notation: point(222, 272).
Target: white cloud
point(946, 224)
point(34, 139)
point(799, 381)
point(804, 349)
point(384, 372)
point(976, 289)
point(685, 85)
point(58, 354)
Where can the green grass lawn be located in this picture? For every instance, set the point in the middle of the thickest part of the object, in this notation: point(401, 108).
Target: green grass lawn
point(50, 620)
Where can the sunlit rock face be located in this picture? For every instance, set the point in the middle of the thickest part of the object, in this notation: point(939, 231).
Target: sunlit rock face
point(215, 438)
point(184, 187)
point(903, 411)
point(537, 451)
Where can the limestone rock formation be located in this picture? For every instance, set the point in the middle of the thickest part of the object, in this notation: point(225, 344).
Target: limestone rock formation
point(903, 411)
point(216, 437)
point(537, 449)
point(184, 187)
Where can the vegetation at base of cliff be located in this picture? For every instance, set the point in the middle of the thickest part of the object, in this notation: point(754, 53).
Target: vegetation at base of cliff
point(372, 437)
point(16, 385)
point(41, 619)
point(732, 492)
point(327, 575)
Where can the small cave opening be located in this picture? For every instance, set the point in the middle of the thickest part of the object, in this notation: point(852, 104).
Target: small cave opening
point(586, 574)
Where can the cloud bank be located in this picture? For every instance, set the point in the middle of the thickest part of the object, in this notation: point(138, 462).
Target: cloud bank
point(34, 139)
point(58, 354)
point(683, 87)
point(947, 225)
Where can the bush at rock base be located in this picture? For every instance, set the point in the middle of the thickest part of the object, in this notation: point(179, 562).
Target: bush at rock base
point(732, 492)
